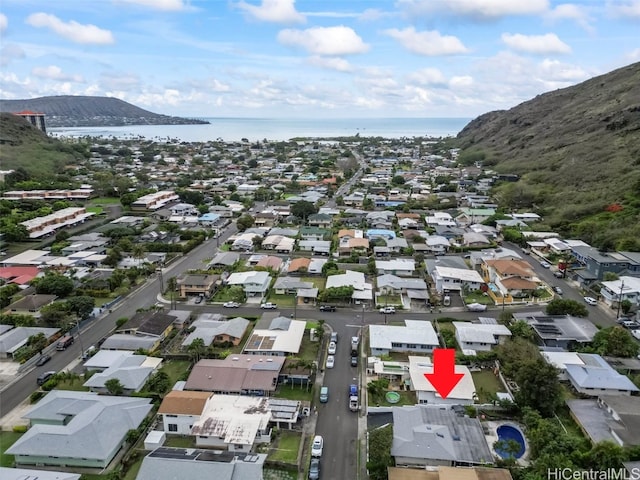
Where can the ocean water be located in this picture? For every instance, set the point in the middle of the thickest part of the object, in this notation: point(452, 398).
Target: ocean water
point(276, 129)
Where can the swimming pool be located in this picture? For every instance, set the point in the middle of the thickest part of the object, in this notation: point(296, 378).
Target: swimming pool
point(494, 288)
point(506, 433)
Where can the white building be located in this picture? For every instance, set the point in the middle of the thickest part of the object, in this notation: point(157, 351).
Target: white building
point(448, 278)
point(235, 422)
point(415, 336)
point(181, 409)
point(482, 337)
point(462, 394)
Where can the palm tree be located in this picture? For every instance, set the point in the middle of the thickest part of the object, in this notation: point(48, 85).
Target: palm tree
point(197, 348)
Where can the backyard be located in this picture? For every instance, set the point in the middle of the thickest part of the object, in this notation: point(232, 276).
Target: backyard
point(6, 440)
point(285, 448)
point(487, 385)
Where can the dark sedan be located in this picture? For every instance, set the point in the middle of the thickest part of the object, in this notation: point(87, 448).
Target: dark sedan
point(42, 360)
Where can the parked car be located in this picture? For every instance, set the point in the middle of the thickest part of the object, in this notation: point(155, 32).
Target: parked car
point(199, 299)
point(230, 304)
point(591, 301)
point(476, 307)
point(630, 324)
point(327, 308)
point(558, 274)
point(388, 310)
point(545, 264)
point(332, 348)
point(324, 394)
point(42, 360)
point(558, 290)
point(269, 306)
point(354, 360)
point(317, 446)
point(334, 337)
point(331, 361)
point(314, 469)
point(44, 377)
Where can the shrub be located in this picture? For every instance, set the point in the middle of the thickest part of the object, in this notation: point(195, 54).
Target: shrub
point(37, 395)
point(19, 428)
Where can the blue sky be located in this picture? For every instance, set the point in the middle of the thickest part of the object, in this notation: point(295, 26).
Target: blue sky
point(325, 58)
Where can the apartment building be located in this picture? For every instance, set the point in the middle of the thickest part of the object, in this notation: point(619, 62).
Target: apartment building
point(43, 226)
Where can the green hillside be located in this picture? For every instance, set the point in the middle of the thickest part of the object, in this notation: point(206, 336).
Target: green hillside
point(577, 152)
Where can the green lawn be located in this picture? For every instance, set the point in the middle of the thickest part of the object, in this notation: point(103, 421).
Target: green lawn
point(285, 301)
point(73, 384)
point(133, 470)
point(406, 398)
point(175, 369)
point(393, 300)
point(104, 201)
point(318, 282)
point(96, 210)
point(477, 297)
point(222, 295)
point(178, 441)
point(286, 447)
point(294, 392)
point(308, 349)
point(487, 384)
point(6, 440)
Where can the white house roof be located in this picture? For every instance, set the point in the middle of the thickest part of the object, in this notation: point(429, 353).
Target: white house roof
point(236, 418)
point(94, 425)
point(349, 277)
point(462, 274)
point(242, 278)
point(414, 331)
point(28, 474)
point(397, 264)
point(207, 330)
point(480, 333)
point(561, 359)
point(419, 366)
point(277, 340)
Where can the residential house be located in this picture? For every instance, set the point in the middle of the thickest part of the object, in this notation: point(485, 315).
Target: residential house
point(624, 288)
point(289, 285)
point(125, 341)
point(217, 330)
point(12, 339)
point(233, 422)
point(154, 201)
point(65, 425)
point(180, 409)
point(254, 284)
point(132, 371)
point(562, 331)
point(318, 247)
point(148, 323)
point(362, 291)
point(21, 276)
point(380, 219)
point(236, 375)
point(197, 284)
point(590, 374)
point(47, 225)
point(402, 267)
point(7, 473)
point(415, 336)
point(396, 244)
point(455, 279)
point(266, 219)
point(469, 216)
point(449, 473)
point(462, 394)
point(610, 418)
point(413, 288)
point(480, 337)
point(473, 239)
point(384, 234)
point(436, 244)
point(597, 263)
point(514, 279)
point(314, 233)
point(275, 336)
point(320, 220)
point(279, 243)
point(427, 435)
point(270, 262)
point(298, 266)
point(224, 259)
point(315, 267)
point(30, 304)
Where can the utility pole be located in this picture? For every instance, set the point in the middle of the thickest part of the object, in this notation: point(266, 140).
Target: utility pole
point(80, 340)
point(620, 299)
point(295, 305)
point(159, 270)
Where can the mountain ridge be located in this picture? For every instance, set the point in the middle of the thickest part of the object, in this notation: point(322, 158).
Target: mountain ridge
point(92, 111)
point(577, 153)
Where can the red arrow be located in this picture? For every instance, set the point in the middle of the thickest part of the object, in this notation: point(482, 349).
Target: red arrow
point(444, 378)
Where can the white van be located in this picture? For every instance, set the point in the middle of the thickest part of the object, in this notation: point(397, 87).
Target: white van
point(446, 301)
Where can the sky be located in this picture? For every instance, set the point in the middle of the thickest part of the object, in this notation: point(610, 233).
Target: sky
point(312, 59)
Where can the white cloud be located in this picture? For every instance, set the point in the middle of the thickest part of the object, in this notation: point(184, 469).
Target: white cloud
point(71, 30)
point(480, 9)
point(10, 52)
point(53, 72)
point(331, 63)
point(275, 11)
point(4, 22)
point(625, 8)
point(548, 43)
point(464, 81)
point(633, 55)
point(166, 5)
point(569, 11)
point(122, 81)
point(331, 41)
point(427, 76)
point(429, 43)
point(555, 71)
